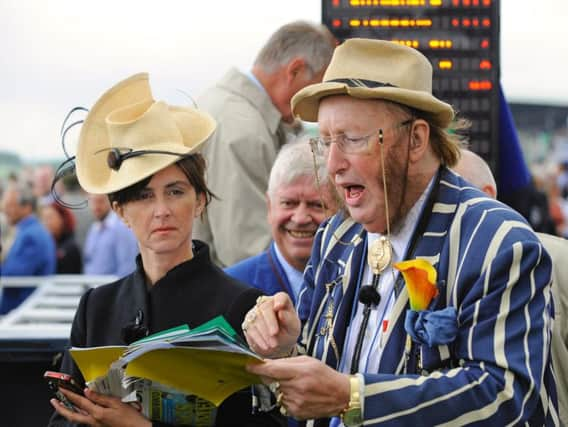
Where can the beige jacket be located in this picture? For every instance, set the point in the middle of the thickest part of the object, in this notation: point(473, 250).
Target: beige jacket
point(239, 158)
point(557, 248)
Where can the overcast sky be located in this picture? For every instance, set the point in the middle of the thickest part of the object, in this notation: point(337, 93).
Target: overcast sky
point(58, 54)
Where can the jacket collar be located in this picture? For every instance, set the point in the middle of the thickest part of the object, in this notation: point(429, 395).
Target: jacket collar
point(239, 84)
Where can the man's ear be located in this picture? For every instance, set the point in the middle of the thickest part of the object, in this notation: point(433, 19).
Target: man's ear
point(419, 139)
point(294, 68)
point(490, 191)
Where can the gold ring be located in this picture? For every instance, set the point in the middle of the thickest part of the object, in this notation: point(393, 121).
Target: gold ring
point(274, 387)
point(261, 299)
point(284, 411)
point(251, 316)
point(279, 398)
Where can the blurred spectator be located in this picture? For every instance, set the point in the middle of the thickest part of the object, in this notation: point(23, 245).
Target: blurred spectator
point(537, 207)
point(516, 187)
point(477, 172)
point(558, 208)
point(6, 236)
point(33, 250)
point(295, 210)
point(253, 113)
point(42, 179)
point(7, 231)
point(60, 222)
point(110, 247)
point(563, 178)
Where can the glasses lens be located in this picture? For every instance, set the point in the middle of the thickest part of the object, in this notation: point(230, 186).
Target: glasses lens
point(352, 145)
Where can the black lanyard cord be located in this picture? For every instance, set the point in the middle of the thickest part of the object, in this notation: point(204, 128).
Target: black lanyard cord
point(369, 296)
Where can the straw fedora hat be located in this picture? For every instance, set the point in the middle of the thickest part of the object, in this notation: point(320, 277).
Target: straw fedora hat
point(375, 69)
point(126, 119)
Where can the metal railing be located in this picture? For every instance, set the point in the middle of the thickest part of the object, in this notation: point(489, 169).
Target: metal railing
point(48, 312)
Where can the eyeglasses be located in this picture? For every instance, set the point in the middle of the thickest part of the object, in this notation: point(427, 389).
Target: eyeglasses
point(347, 144)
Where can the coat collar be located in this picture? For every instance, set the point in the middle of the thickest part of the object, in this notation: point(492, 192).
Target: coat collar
point(135, 288)
point(239, 84)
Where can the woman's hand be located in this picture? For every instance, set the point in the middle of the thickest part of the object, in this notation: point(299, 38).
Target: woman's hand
point(272, 326)
point(101, 411)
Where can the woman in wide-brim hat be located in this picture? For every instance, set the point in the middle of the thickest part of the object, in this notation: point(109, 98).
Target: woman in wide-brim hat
point(144, 155)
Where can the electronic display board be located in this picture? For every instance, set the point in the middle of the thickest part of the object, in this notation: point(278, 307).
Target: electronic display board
point(459, 37)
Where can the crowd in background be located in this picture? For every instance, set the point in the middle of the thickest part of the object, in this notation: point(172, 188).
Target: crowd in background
point(551, 179)
point(83, 237)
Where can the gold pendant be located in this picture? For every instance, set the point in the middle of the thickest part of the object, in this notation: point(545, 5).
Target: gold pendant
point(380, 255)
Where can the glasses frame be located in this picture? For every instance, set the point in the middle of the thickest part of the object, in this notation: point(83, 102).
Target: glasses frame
point(319, 147)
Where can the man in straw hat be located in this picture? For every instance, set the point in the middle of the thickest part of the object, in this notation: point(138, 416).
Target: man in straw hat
point(475, 346)
point(253, 113)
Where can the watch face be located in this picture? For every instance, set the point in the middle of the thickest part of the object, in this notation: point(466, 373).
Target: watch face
point(352, 417)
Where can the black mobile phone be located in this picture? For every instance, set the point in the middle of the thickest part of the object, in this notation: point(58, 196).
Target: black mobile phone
point(55, 380)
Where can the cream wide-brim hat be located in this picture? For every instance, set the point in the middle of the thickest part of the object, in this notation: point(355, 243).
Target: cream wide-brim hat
point(126, 117)
point(375, 69)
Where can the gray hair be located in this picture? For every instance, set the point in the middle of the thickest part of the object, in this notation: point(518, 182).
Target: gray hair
point(296, 160)
point(312, 42)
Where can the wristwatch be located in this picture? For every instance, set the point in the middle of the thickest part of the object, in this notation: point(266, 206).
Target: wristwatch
point(352, 416)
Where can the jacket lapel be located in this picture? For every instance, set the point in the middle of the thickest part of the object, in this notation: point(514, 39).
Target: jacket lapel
point(429, 246)
point(347, 292)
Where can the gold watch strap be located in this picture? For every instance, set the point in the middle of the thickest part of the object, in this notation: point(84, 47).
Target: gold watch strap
point(352, 414)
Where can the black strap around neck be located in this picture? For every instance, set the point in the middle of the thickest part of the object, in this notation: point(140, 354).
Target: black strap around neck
point(422, 224)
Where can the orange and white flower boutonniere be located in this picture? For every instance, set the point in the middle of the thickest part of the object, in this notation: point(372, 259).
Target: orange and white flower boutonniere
point(423, 325)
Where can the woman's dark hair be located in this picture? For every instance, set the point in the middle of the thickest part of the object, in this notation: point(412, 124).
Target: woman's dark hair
point(67, 218)
point(193, 166)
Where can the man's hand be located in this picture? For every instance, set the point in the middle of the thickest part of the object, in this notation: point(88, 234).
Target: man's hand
point(101, 411)
point(310, 389)
point(272, 327)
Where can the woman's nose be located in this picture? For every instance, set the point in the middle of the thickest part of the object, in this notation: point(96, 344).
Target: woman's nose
point(161, 208)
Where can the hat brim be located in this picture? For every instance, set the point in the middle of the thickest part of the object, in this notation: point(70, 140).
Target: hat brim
point(94, 174)
point(305, 103)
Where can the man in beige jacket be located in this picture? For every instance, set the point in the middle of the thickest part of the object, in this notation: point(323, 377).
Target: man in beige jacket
point(253, 113)
point(475, 170)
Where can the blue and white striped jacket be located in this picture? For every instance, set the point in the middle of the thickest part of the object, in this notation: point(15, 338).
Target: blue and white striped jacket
point(498, 370)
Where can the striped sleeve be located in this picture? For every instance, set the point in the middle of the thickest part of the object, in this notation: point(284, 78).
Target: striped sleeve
point(502, 347)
